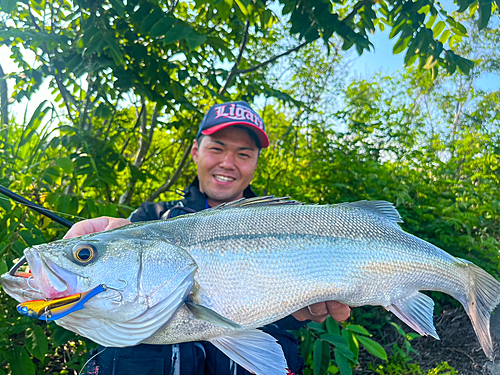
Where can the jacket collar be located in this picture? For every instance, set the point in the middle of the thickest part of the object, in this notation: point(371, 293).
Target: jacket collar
point(195, 199)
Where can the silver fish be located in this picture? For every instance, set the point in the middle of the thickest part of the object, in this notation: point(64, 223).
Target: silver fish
point(219, 274)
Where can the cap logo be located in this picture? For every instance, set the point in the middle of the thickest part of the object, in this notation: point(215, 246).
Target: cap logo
point(239, 113)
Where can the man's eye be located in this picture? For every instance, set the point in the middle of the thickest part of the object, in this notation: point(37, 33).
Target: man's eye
point(216, 149)
point(244, 156)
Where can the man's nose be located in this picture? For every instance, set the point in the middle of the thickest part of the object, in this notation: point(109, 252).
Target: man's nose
point(227, 161)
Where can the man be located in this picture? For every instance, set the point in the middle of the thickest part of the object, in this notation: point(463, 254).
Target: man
point(226, 153)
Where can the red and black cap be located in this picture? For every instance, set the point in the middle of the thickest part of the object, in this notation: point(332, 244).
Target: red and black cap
point(220, 116)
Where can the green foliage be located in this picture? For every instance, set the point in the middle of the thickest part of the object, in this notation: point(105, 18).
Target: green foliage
point(319, 340)
point(28, 346)
point(397, 366)
point(134, 80)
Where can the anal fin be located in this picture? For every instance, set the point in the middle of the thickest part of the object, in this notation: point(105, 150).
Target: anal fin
point(416, 310)
point(254, 350)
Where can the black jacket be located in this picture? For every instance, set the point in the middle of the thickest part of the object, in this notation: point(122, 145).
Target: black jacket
point(191, 358)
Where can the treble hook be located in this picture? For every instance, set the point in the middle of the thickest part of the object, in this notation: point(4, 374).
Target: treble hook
point(31, 287)
point(117, 290)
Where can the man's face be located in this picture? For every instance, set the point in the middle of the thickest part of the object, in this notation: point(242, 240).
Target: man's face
point(226, 162)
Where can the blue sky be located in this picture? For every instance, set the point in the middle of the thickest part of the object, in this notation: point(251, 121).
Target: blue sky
point(383, 60)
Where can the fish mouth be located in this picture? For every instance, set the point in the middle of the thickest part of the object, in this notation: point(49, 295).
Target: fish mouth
point(45, 278)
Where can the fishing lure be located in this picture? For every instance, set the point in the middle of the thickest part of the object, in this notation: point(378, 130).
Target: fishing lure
point(54, 309)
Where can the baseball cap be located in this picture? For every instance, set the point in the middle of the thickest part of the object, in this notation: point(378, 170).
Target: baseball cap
point(220, 116)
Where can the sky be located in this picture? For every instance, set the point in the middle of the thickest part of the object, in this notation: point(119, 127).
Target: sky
point(363, 67)
point(383, 60)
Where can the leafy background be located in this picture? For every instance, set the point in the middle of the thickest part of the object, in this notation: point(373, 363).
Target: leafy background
point(132, 80)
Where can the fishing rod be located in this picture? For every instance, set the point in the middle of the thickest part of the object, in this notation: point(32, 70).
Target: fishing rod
point(34, 206)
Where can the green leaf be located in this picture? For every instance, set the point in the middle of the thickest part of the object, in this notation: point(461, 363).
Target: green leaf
point(460, 30)
point(114, 49)
point(321, 357)
point(401, 45)
point(118, 7)
point(438, 29)
point(5, 203)
point(317, 327)
point(465, 65)
point(412, 335)
point(3, 267)
point(60, 335)
point(242, 7)
point(306, 342)
point(177, 33)
point(332, 326)
point(8, 6)
point(36, 342)
point(162, 27)
point(473, 8)
point(66, 164)
point(20, 361)
point(399, 329)
point(484, 13)
point(342, 363)
point(194, 39)
point(444, 37)
point(373, 347)
point(334, 339)
point(357, 329)
point(425, 9)
point(431, 21)
point(430, 62)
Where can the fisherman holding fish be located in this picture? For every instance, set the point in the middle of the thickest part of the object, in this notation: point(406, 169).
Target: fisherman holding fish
point(226, 152)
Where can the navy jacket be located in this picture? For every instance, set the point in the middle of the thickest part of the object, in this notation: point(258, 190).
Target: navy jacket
point(191, 358)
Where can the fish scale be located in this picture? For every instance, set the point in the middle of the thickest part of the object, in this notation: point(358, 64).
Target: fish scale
point(221, 273)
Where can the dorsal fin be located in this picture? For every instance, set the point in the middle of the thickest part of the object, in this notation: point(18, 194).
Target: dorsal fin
point(381, 208)
point(268, 200)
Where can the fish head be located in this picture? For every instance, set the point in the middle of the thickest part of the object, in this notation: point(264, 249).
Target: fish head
point(144, 280)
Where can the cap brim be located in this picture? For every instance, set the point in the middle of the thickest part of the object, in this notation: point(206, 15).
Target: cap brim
point(261, 135)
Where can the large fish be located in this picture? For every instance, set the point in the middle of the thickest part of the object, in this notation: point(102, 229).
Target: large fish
point(219, 274)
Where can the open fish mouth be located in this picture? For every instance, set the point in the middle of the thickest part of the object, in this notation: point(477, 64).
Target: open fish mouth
point(44, 278)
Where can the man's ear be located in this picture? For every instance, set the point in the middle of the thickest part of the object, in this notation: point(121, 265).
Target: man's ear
point(194, 151)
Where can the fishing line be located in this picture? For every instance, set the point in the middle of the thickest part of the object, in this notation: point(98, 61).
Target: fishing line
point(90, 359)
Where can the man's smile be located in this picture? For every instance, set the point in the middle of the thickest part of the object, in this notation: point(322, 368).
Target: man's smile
point(222, 178)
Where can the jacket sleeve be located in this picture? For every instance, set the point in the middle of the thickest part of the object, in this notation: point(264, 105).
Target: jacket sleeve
point(150, 211)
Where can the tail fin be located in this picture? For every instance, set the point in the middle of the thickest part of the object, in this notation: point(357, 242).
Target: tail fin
point(482, 298)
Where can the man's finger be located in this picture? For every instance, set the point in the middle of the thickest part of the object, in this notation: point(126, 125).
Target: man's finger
point(117, 223)
point(318, 309)
point(338, 311)
point(98, 224)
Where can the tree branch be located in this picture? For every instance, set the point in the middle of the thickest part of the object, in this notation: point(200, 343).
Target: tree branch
point(146, 136)
point(178, 172)
point(64, 93)
point(355, 10)
point(234, 71)
point(273, 59)
point(144, 144)
point(4, 102)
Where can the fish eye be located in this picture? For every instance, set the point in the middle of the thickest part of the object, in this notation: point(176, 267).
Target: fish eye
point(84, 253)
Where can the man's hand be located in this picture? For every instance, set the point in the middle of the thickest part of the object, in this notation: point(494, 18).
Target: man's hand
point(98, 224)
point(318, 312)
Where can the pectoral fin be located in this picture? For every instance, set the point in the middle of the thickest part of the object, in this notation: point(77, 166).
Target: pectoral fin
point(416, 311)
point(204, 313)
point(254, 350)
